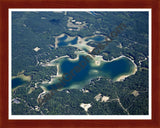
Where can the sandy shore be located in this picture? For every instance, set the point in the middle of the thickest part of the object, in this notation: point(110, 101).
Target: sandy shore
point(117, 58)
point(75, 59)
point(121, 78)
point(97, 59)
point(52, 62)
point(69, 38)
point(44, 89)
point(82, 44)
point(56, 39)
point(61, 57)
point(23, 77)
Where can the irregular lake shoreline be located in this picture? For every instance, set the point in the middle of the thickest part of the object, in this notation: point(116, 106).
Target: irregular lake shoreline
point(97, 67)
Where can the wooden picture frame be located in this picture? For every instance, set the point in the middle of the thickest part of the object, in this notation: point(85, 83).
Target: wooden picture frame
point(4, 62)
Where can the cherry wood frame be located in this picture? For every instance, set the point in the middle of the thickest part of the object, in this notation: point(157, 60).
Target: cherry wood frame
point(6, 4)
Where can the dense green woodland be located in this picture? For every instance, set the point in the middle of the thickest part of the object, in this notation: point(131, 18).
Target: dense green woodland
point(30, 31)
point(69, 103)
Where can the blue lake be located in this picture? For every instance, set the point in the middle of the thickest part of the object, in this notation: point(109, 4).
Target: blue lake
point(62, 42)
point(77, 74)
point(17, 81)
point(96, 38)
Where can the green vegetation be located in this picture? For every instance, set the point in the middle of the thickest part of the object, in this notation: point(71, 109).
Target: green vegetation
point(38, 29)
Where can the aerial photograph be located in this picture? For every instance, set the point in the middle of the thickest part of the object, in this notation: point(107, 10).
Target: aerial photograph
point(74, 62)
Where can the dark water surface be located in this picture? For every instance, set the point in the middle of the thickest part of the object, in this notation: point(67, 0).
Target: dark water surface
point(17, 81)
point(77, 74)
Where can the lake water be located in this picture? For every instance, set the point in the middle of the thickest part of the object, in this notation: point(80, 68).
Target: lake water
point(62, 41)
point(78, 73)
point(17, 81)
point(96, 38)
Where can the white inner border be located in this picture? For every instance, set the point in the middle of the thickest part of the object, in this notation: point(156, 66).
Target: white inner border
point(68, 117)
